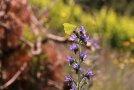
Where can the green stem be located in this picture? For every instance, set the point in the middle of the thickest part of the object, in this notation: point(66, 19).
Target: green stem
point(78, 80)
point(79, 70)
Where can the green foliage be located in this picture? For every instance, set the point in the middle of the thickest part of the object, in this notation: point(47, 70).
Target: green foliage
point(125, 7)
point(116, 29)
point(59, 14)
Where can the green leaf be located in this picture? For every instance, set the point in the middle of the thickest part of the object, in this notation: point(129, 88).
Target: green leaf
point(69, 28)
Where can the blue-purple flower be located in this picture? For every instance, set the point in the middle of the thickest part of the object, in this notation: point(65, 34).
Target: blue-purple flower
point(70, 59)
point(76, 67)
point(74, 47)
point(73, 87)
point(84, 79)
point(96, 45)
point(82, 56)
point(82, 30)
point(84, 38)
point(73, 37)
point(68, 79)
point(89, 74)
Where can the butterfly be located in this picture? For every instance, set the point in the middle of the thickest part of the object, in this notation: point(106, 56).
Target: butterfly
point(69, 28)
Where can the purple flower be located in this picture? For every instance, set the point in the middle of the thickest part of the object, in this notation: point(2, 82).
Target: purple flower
point(74, 47)
point(84, 79)
point(76, 67)
point(68, 79)
point(82, 30)
point(73, 87)
point(82, 55)
point(73, 37)
point(70, 59)
point(78, 38)
point(96, 45)
point(89, 74)
point(84, 38)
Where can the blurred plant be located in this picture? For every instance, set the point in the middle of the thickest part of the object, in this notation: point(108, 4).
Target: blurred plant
point(113, 28)
point(40, 4)
point(122, 7)
point(122, 63)
point(23, 52)
point(79, 38)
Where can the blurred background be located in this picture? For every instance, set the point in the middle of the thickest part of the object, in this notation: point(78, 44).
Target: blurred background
point(33, 46)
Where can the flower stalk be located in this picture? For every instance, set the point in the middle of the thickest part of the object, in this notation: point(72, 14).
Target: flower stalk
point(79, 38)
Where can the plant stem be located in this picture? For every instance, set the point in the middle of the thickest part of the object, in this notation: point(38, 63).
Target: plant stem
point(79, 70)
point(78, 80)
